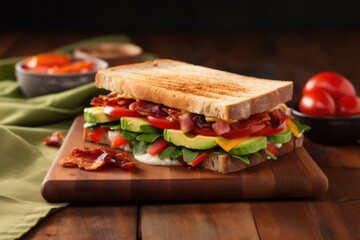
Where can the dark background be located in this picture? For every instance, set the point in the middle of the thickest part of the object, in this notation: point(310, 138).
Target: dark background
point(136, 15)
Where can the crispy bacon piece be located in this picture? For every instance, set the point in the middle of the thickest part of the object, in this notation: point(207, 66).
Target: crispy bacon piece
point(201, 122)
point(155, 110)
point(148, 108)
point(277, 116)
point(92, 159)
point(221, 127)
point(251, 121)
point(173, 113)
point(55, 140)
point(121, 161)
point(110, 99)
point(88, 159)
point(186, 122)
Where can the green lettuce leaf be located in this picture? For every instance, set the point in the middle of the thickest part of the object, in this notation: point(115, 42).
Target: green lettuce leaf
point(244, 158)
point(272, 156)
point(140, 147)
point(148, 137)
point(130, 136)
point(171, 151)
point(257, 155)
point(189, 155)
point(301, 127)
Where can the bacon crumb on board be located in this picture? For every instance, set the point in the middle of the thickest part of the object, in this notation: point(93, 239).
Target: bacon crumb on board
point(55, 140)
point(92, 159)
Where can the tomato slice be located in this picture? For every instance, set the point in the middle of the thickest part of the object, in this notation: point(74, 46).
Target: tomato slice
point(163, 123)
point(42, 70)
point(269, 130)
point(248, 131)
point(118, 141)
point(56, 63)
point(96, 134)
point(157, 147)
point(118, 111)
point(199, 131)
point(271, 148)
point(75, 67)
point(201, 157)
point(47, 60)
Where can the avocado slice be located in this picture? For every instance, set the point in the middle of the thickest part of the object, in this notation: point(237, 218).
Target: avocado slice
point(179, 138)
point(282, 137)
point(97, 115)
point(249, 146)
point(139, 125)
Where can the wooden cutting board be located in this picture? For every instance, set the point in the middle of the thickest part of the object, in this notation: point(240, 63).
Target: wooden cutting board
point(293, 175)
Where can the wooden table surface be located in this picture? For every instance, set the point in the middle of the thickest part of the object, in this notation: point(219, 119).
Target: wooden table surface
point(288, 55)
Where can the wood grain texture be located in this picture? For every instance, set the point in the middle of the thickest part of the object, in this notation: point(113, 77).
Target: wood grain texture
point(293, 175)
point(198, 221)
point(342, 201)
point(298, 220)
point(291, 219)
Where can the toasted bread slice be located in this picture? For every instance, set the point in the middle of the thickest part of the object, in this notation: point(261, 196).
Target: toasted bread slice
point(223, 163)
point(196, 89)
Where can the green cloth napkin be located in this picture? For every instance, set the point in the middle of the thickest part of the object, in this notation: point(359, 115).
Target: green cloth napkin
point(24, 159)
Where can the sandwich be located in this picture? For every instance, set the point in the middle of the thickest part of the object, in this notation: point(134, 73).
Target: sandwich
point(174, 113)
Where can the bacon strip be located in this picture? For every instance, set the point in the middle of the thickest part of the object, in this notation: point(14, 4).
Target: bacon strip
point(110, 99)
point(186, 122)
point(221, 127)
point(148, 108)
point(201, 122)
point(277, 117)
point(154, 109)
point(92, 159)
point(251, 121)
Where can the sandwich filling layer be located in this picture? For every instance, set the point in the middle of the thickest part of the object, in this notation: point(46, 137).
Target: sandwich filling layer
point(161, 135)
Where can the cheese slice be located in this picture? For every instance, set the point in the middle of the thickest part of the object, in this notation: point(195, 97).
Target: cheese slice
point(293, 127)
point(228, 144)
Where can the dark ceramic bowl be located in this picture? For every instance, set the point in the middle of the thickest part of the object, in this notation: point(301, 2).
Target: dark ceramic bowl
point(330, 130)
point(36, 84)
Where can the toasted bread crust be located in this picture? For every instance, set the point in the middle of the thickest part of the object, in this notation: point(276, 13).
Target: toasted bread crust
point(196, 89)
point(226, 164)
point(223, 163)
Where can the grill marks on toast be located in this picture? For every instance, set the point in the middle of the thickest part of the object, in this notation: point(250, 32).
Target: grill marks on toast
point(196, 86)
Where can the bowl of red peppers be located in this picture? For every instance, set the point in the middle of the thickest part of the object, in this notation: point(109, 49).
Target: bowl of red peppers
point(331, 107)
point(53, 72)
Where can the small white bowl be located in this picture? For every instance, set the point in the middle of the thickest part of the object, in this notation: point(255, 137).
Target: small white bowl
point(36, 84)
